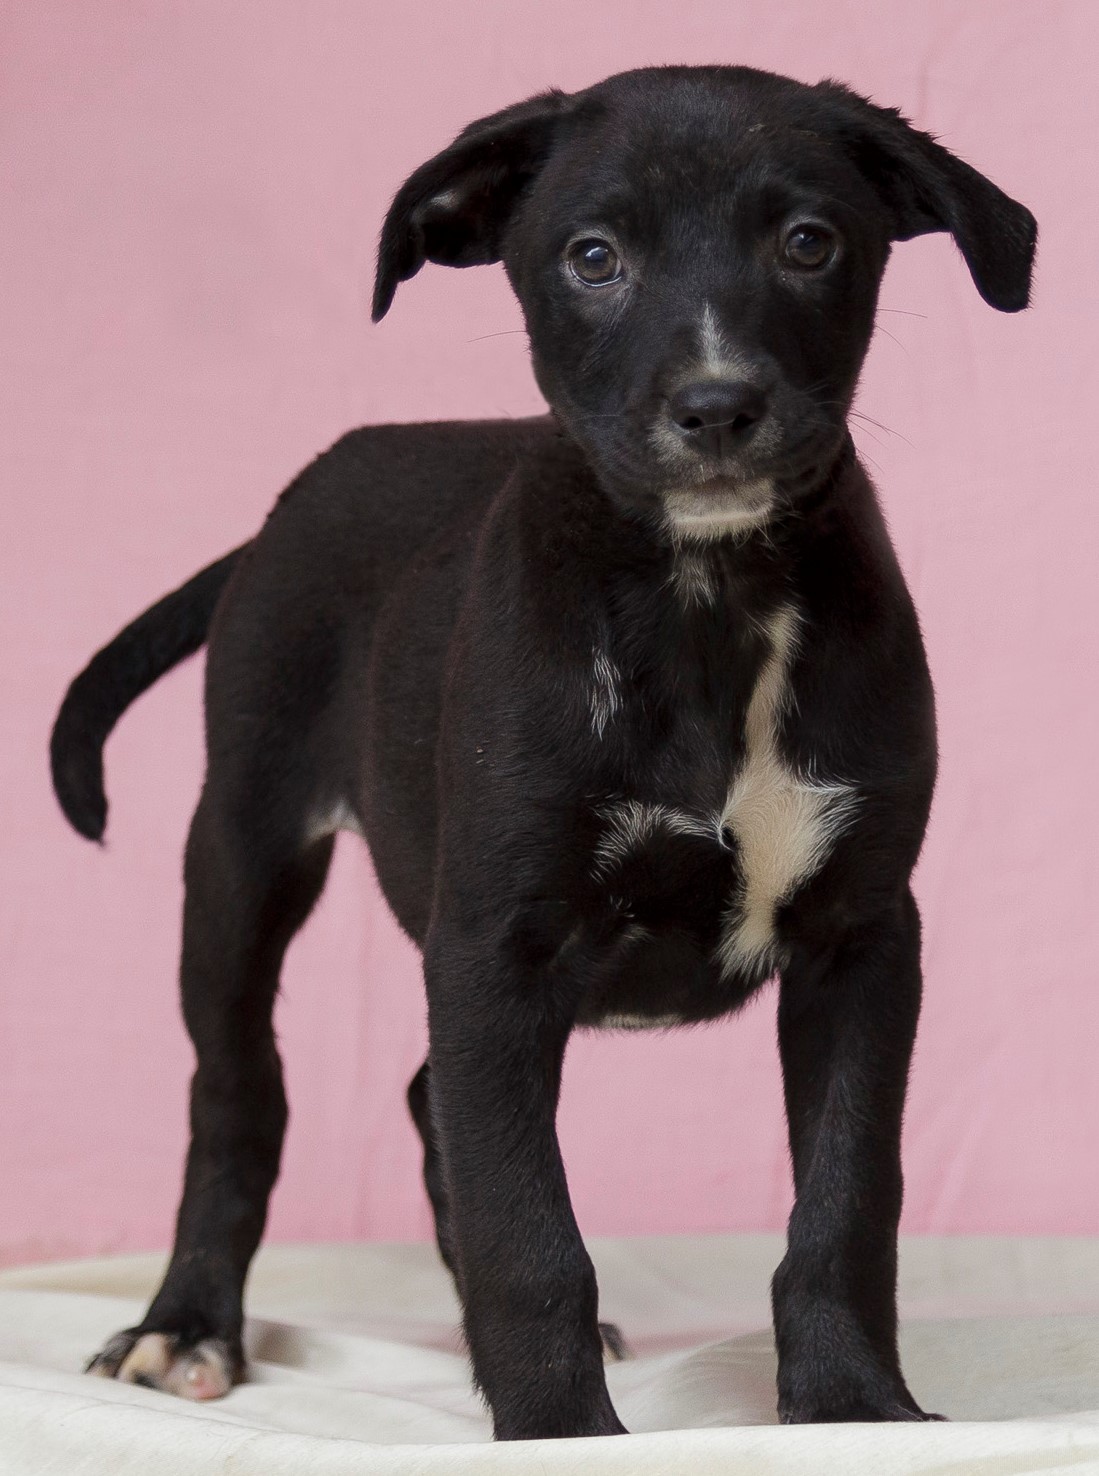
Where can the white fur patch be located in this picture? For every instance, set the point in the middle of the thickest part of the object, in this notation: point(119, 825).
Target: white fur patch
point(639, 1022)
point(718, 361)
point(605, 697)
point(632, 824)
point(784, 824)
point(338, 816)
point(701, 513)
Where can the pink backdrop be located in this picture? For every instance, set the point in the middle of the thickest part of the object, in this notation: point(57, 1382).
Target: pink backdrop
point(191, 197)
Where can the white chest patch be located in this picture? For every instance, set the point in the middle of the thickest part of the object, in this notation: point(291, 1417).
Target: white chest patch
point(785, 823)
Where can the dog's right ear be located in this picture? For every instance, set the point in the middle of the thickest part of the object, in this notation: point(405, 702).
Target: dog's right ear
point(454, 209)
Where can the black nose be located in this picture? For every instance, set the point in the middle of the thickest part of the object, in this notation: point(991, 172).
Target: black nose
point(717, 416)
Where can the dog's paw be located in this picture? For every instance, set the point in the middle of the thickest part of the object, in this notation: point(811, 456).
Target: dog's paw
point(853, 1411)
point(615, 1347)
point(203, 1368)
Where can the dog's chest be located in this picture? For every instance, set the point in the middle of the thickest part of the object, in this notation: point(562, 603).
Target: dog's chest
point(723, 870)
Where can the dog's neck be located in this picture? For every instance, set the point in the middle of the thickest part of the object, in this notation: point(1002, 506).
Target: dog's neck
point(667, 603)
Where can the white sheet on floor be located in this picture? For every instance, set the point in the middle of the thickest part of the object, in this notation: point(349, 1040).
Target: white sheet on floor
point(356, 1368)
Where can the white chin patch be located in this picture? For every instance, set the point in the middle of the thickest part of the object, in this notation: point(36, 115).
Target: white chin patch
point(701, 513)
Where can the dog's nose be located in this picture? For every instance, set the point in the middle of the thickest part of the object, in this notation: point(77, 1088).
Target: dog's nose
point(717, 416)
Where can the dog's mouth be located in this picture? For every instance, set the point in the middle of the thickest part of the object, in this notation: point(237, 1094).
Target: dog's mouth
point(719, 505)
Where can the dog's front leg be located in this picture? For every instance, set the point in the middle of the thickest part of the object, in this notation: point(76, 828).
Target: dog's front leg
point(499, 1016)
point(846, 1029)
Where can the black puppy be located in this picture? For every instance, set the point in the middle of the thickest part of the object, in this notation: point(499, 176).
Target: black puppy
point(629, 702)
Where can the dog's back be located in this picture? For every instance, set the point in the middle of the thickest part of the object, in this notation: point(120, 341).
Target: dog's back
point(299, 599)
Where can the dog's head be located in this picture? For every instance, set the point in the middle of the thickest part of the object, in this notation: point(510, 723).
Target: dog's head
point(697, 252)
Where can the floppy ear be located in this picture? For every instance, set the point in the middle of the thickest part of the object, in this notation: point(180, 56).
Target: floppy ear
point(930, 189)
point(455, 207)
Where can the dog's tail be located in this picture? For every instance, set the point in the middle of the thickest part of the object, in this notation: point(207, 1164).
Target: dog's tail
point(172, 629)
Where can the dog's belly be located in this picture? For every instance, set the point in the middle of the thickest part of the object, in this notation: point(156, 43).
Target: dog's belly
point(659, 977)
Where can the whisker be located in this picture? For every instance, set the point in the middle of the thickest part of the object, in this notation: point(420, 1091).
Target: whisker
point(887, 428)
point(504, 332)
point(872, 436)
point(875, 464)
point(878, 328)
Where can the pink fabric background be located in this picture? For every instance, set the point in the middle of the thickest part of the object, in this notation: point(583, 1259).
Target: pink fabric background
point(191, 194)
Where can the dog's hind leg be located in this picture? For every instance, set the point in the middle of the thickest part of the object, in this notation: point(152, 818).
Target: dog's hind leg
point(251, 881)
point(420, 1106)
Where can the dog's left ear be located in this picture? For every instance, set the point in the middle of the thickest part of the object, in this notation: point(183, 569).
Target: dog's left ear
point(454, 209)
point(930, 189)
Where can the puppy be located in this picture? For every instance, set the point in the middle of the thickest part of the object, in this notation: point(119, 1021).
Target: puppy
point(629, 702)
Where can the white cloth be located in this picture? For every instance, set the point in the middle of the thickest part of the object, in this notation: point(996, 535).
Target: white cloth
point(356, 1368)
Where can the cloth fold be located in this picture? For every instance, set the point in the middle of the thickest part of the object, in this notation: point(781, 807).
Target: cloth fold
point(356, 1366)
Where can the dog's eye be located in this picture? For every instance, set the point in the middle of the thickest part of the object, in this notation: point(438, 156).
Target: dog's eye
point(594, 262)
point(809, 246)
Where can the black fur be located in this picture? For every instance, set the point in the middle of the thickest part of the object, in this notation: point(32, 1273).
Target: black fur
point(168, 632)
point(496, 647)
